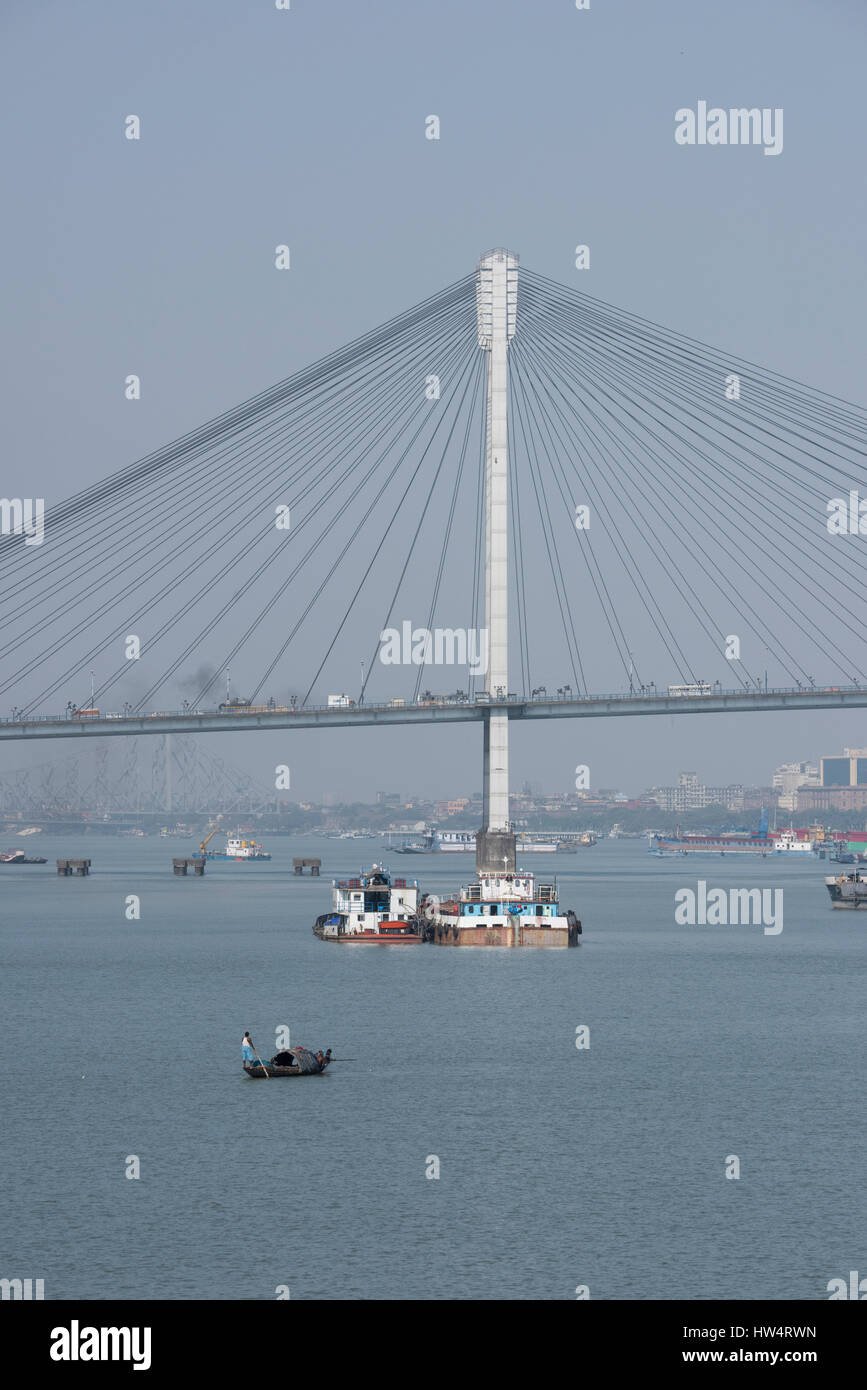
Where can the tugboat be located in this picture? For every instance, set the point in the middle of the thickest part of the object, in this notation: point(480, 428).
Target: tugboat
point(848, 890)
point(373, 909)
point(501, 908)
point(17, 856)
point(787, 842)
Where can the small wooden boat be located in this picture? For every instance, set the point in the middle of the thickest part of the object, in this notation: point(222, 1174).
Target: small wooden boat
point(294, 1061)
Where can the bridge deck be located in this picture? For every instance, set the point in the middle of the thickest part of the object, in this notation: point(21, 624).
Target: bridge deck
point(591, 707)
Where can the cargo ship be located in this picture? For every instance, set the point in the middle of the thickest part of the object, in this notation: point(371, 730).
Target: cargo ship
point(372, 910)
point(727, 842)
point(761, 842)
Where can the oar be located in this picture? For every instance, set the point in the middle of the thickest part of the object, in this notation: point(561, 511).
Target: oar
point(261, 1063)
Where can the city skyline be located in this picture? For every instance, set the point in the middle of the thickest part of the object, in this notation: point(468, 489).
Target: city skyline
point(126, 780)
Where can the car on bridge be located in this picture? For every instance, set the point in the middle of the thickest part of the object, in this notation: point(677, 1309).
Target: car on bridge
point(699, 688)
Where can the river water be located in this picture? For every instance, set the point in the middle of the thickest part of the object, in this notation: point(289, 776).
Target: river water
point(601, 1167)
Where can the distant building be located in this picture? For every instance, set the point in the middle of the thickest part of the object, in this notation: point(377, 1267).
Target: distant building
point(841, 783)
point(832, 799)
point(759, 798)
point(692, 795)
point(846, 769)
point(789, 778)
point(732, 797)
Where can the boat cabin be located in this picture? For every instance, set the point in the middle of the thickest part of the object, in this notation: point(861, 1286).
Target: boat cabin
point(513, 895)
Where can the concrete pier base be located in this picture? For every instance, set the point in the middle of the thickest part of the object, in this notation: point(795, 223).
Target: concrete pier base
point(79, 867)
point(495, 852)
point(197, 864)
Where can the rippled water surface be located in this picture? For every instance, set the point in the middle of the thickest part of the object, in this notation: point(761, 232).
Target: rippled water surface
point(558, 1167)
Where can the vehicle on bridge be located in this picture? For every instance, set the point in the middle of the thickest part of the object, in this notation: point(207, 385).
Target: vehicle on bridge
point(699, 688)
point(85, 714)
point(245, 707)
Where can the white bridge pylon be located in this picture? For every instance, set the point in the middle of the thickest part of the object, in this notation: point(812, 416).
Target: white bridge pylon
point(497, 302)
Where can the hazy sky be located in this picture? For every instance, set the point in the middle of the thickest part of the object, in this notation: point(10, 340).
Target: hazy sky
point(306, 127)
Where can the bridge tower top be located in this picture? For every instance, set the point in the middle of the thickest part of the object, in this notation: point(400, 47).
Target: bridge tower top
point(492, 267)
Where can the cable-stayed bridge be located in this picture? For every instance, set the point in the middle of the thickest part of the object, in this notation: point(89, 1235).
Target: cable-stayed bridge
point(621, 507)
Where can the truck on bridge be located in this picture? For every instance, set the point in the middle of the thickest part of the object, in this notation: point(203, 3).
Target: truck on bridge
point(700, 688)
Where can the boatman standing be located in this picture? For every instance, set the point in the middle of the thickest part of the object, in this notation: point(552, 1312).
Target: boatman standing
point(247, 1052)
